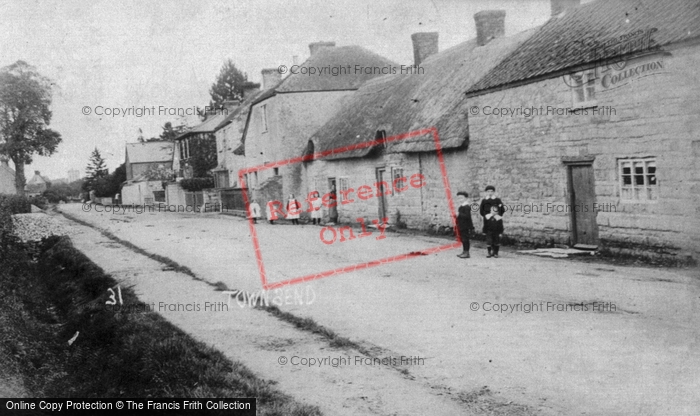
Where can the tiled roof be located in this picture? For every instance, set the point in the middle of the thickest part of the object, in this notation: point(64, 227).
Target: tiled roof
point(148, 152)
point(400, 103)
point(346, 57)
point(596, 31)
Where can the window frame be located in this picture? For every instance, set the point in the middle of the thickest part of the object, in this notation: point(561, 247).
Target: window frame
point(586, 82)
point(343, 184)
point(394, 170)
point(649, 190)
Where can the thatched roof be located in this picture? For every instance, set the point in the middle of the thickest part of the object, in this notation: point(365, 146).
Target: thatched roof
point(595, 32)
point(402, 103)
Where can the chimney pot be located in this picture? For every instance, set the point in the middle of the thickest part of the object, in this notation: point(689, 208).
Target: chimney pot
point(490, 24)
point(560, 6)
point(36, 172)
point(271, 77)
point(317, 46)
point(425, 44)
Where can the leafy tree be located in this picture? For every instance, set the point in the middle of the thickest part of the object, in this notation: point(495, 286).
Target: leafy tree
point(110, 185)
point(97, 168)
point(228, 86)
point(25, 98)
point(170, 133)
point(202, 155)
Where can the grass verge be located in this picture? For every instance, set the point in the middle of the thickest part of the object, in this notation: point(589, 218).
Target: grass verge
point(119, 351)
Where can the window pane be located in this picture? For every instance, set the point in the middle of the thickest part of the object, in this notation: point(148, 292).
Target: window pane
point(639, 180)
point(626, 180)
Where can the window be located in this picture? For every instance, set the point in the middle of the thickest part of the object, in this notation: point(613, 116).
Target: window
point(583, 87)
point(276, 171)
point(381, 135)
point(397, 172)
point(263, 117)
point(343, 186)
point(638, 180)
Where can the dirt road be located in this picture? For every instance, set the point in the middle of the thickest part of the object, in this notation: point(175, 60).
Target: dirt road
point(557, 337)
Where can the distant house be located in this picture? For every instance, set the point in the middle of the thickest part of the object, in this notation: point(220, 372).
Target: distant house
point(184, 144)
point(143, 156)
point(229, 141)
point(143, 161)
point(37, 184)
point(289, 111)
point(7, 177)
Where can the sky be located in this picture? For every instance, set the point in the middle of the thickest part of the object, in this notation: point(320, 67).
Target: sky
point(136, 54)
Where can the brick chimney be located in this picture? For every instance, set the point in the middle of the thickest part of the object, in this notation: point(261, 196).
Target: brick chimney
point(270, 77)
point(490, 24)
point(317, 46)
point(560, 6)
point(424, 45)
point(3, 161)
point(250, 88)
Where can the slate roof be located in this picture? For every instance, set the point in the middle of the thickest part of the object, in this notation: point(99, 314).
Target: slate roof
point(400, 103)
point(594, 32)
point(148, 152)
point(333, 57)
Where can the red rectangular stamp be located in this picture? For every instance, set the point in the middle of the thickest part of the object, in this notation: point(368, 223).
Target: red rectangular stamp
point(329, 235)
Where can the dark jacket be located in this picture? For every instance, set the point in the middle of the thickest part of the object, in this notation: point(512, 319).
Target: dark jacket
point(464, 220)
point(485, 206)
point(493, 226)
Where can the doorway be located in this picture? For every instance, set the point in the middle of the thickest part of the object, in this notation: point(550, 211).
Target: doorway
point(584, 226)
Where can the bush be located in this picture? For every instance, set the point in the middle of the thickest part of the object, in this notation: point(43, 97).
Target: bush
point(38, 201)
point(15, 204)
point(197, 184)
point(55, 196)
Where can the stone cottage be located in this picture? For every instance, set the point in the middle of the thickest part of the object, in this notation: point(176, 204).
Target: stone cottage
point(387, 107)
point(602, 146)
point(586, 125)
point(289, 111)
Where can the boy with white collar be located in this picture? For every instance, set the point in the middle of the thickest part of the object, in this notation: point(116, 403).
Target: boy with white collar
point(485, 209)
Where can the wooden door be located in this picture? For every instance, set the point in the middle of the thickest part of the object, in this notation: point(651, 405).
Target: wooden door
point(584, 226)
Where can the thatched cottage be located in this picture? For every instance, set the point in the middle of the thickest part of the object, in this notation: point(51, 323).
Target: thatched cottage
point(586, 125)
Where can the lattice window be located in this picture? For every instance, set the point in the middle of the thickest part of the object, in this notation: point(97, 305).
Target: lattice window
point(638, 179)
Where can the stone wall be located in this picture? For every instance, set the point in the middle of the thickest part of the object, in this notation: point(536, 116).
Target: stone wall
point(650, 111)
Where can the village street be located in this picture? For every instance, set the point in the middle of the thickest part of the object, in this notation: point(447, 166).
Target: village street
point(627, 343)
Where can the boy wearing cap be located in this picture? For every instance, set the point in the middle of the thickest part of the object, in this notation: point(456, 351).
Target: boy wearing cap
point(485, 209)
point(464, 222)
